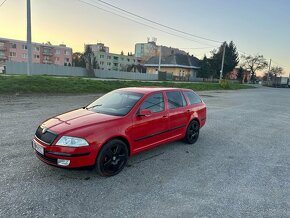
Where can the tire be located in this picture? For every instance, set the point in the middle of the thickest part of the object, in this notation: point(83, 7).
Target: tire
point(192, 132)
point(112, 158)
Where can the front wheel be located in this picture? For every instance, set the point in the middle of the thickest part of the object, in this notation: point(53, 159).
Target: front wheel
point(112, 158)
point(192, 132)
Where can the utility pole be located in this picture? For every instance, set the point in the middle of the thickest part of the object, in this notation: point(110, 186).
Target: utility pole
point(159, 65)
point(29, 50)
point(223, 60)
point(268, 76)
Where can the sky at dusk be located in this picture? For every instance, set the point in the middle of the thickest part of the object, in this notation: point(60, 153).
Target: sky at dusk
point(256, 27)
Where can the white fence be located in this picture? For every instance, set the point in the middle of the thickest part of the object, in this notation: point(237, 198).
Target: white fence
point(20, 68)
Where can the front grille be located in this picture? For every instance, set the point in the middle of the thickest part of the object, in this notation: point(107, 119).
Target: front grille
point(47, 137)
point(48, 159)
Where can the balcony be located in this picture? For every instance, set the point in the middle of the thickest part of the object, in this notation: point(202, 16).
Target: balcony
point(3, 48)
point(47, 53)
point(3, 57)
point(47, 62)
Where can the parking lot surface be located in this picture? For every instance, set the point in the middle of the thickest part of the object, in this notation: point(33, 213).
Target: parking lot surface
point(240, 166)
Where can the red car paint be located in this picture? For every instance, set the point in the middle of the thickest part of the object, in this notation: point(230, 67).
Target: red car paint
point(139, 133)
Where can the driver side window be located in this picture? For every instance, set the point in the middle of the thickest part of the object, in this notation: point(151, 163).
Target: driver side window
point(155, 103)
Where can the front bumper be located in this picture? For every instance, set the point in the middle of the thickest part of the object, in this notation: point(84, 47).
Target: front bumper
point(77, 157)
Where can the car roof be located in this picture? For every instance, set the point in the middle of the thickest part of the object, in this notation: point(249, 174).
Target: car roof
point(146, 90)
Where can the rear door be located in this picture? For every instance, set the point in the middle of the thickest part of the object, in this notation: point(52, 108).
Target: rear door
point(177, 112)
point(148, 131)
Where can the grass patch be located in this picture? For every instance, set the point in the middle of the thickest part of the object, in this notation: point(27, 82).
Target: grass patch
point(48, 84)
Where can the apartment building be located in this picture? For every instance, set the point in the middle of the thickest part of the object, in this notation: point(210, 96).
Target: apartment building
point(16, 50)
point(111, 61)
point(150, 49)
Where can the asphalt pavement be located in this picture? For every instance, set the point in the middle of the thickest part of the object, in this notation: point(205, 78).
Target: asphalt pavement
point(240, 166)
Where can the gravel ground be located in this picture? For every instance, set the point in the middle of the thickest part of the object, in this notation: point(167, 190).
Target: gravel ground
point(240, 166)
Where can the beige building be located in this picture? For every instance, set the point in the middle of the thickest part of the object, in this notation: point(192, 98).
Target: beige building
point(181, 66)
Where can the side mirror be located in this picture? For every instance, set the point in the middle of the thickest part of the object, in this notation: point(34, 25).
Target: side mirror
point(145, 113)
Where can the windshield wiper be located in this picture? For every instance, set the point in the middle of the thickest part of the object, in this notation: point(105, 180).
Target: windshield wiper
point(97, 105)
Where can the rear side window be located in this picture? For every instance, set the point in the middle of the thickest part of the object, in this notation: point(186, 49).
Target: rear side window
point(192, 97)
point(175, 100)
point(155, 103)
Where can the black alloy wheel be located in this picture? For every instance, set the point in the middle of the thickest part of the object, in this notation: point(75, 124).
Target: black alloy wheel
point(112, 158)
point(192, 132)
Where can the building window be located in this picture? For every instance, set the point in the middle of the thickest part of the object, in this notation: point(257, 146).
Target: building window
point(116, 64)
point(24, 56)
point(36, 48)
point(46, 51)
point(109, 57)
point(13, 45)
point(101, 62)
point(67, 52)
point(36, 56)
point(102, 56)
point(12, 54)
point(128, 60)
point(57, 51)
point(109, 63)
point(67, 59)
point(24, 47)
point(57, 59)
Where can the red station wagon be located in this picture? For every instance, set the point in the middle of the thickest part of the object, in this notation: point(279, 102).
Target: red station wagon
point(119, 124)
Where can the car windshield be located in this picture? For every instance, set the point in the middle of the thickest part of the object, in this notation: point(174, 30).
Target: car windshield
point(117, 103)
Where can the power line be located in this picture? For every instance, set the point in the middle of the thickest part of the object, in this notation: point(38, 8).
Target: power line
point(154, 22)
point(108, 11)
point(280, 64)
point(117, 11)
point(200, 47)
point(3, 3)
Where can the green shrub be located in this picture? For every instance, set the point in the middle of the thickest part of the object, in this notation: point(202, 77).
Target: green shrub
point(225, 84)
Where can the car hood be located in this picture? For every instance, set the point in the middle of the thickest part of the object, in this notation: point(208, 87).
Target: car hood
point(76, 119)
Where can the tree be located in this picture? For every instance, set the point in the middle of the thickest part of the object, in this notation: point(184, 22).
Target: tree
point(210, 67)
point(240, 75)
point(231, 58)
point(78, 60)
point(90, 61)
point(276, 71)
point(207, 69)
point(254, 64)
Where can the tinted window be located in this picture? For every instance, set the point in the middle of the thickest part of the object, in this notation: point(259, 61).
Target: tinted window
point(192, 97)
point(117, 103)
point(175, 100)
point(155, 103)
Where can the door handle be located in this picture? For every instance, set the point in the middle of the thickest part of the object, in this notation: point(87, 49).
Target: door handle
point(165, 116)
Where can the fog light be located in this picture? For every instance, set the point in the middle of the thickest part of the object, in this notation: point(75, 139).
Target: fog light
point(63, 162)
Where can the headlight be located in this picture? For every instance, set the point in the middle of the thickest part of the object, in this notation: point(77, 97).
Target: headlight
point(72, 142)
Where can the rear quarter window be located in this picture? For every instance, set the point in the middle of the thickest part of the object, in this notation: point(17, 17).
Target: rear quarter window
point(192, 97)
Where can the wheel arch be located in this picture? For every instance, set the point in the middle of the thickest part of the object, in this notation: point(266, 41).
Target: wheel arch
point(123, 139)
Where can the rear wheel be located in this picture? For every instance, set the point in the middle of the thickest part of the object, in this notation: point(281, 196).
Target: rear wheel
point(112, 158)
point(192, 132)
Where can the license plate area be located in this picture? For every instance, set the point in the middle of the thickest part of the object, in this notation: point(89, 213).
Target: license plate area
point(38, 147)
